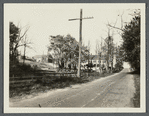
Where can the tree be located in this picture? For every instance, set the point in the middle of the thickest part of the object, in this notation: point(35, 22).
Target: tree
point(13, 35)
point(108, 47)
point(131, 39)
point(131, 44)
point(18, 38)
point(57, 46)
point(107, 52)
point(119, 57)
point(97, 51)
point(88, 46)
point(26, 43)
point(66, 49)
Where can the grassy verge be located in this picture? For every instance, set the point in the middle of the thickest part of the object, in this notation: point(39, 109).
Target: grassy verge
point(136, 99)
point(44, 85)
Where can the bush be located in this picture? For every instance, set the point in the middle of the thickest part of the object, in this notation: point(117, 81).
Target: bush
point(118, 66)
point(20, 69)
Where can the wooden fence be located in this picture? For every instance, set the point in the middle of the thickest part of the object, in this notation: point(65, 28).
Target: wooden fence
point(45, 77)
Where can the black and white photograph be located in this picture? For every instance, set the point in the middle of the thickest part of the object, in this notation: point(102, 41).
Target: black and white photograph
point(74, 57)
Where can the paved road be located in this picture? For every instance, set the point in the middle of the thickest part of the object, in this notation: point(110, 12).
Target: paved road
point(112, 91)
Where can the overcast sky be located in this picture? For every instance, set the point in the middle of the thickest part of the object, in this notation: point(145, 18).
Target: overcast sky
point(52, 19)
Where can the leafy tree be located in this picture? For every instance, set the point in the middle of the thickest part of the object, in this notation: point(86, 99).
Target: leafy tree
point(120, 57)
point(131, 44)
point(13, 35)
point(131, 39)
point(17, 39)
point(57, 47)
point(118, 66)
point(65, 49)
point(88, 56)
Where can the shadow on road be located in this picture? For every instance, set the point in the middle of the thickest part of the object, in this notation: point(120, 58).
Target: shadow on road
point(134, 72)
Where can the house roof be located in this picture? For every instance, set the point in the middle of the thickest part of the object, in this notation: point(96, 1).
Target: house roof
point(40, 56)
point(96, 57)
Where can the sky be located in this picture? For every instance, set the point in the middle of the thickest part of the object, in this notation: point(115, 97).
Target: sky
point(52, 19)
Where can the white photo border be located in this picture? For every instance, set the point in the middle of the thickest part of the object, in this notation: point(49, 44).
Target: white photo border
point(142, 108)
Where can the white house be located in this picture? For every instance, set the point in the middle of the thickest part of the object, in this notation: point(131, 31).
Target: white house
point(42, 58)
point(97, 61)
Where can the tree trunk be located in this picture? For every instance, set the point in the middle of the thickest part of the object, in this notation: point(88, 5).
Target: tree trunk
point(24, 53)
point(107, 67)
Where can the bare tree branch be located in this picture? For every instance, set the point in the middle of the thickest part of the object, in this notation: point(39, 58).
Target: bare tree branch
point(115, 27)
point(122, 20)
point(24, 33)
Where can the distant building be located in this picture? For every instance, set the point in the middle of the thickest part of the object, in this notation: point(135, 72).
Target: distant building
point(98, 61)
point(43, 58)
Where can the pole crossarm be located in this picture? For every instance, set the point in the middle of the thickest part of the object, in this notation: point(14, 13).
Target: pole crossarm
point(81, 18)
point(80, 40)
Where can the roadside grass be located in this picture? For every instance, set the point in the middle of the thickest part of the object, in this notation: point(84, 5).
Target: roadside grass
point(54, 83)
point(28, 68)
point(136, 98)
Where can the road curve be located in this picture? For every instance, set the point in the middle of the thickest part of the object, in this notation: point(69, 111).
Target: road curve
point(112, 91)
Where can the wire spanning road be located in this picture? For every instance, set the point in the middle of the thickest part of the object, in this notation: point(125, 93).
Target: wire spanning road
point(112, 91)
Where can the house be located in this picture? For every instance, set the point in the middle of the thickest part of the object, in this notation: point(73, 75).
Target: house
point(98, 61)
point(42, 58)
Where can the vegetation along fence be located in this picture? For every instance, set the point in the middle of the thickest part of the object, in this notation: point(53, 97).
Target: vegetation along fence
point(45, 77)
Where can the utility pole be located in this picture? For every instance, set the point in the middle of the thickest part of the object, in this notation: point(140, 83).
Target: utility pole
point(80, 40)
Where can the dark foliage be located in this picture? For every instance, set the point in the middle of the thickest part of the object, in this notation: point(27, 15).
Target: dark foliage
point(20, 70)
point(13, 34)
point(131, 44)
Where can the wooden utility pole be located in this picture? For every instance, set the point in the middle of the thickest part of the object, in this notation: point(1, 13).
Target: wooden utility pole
point(80, 40)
